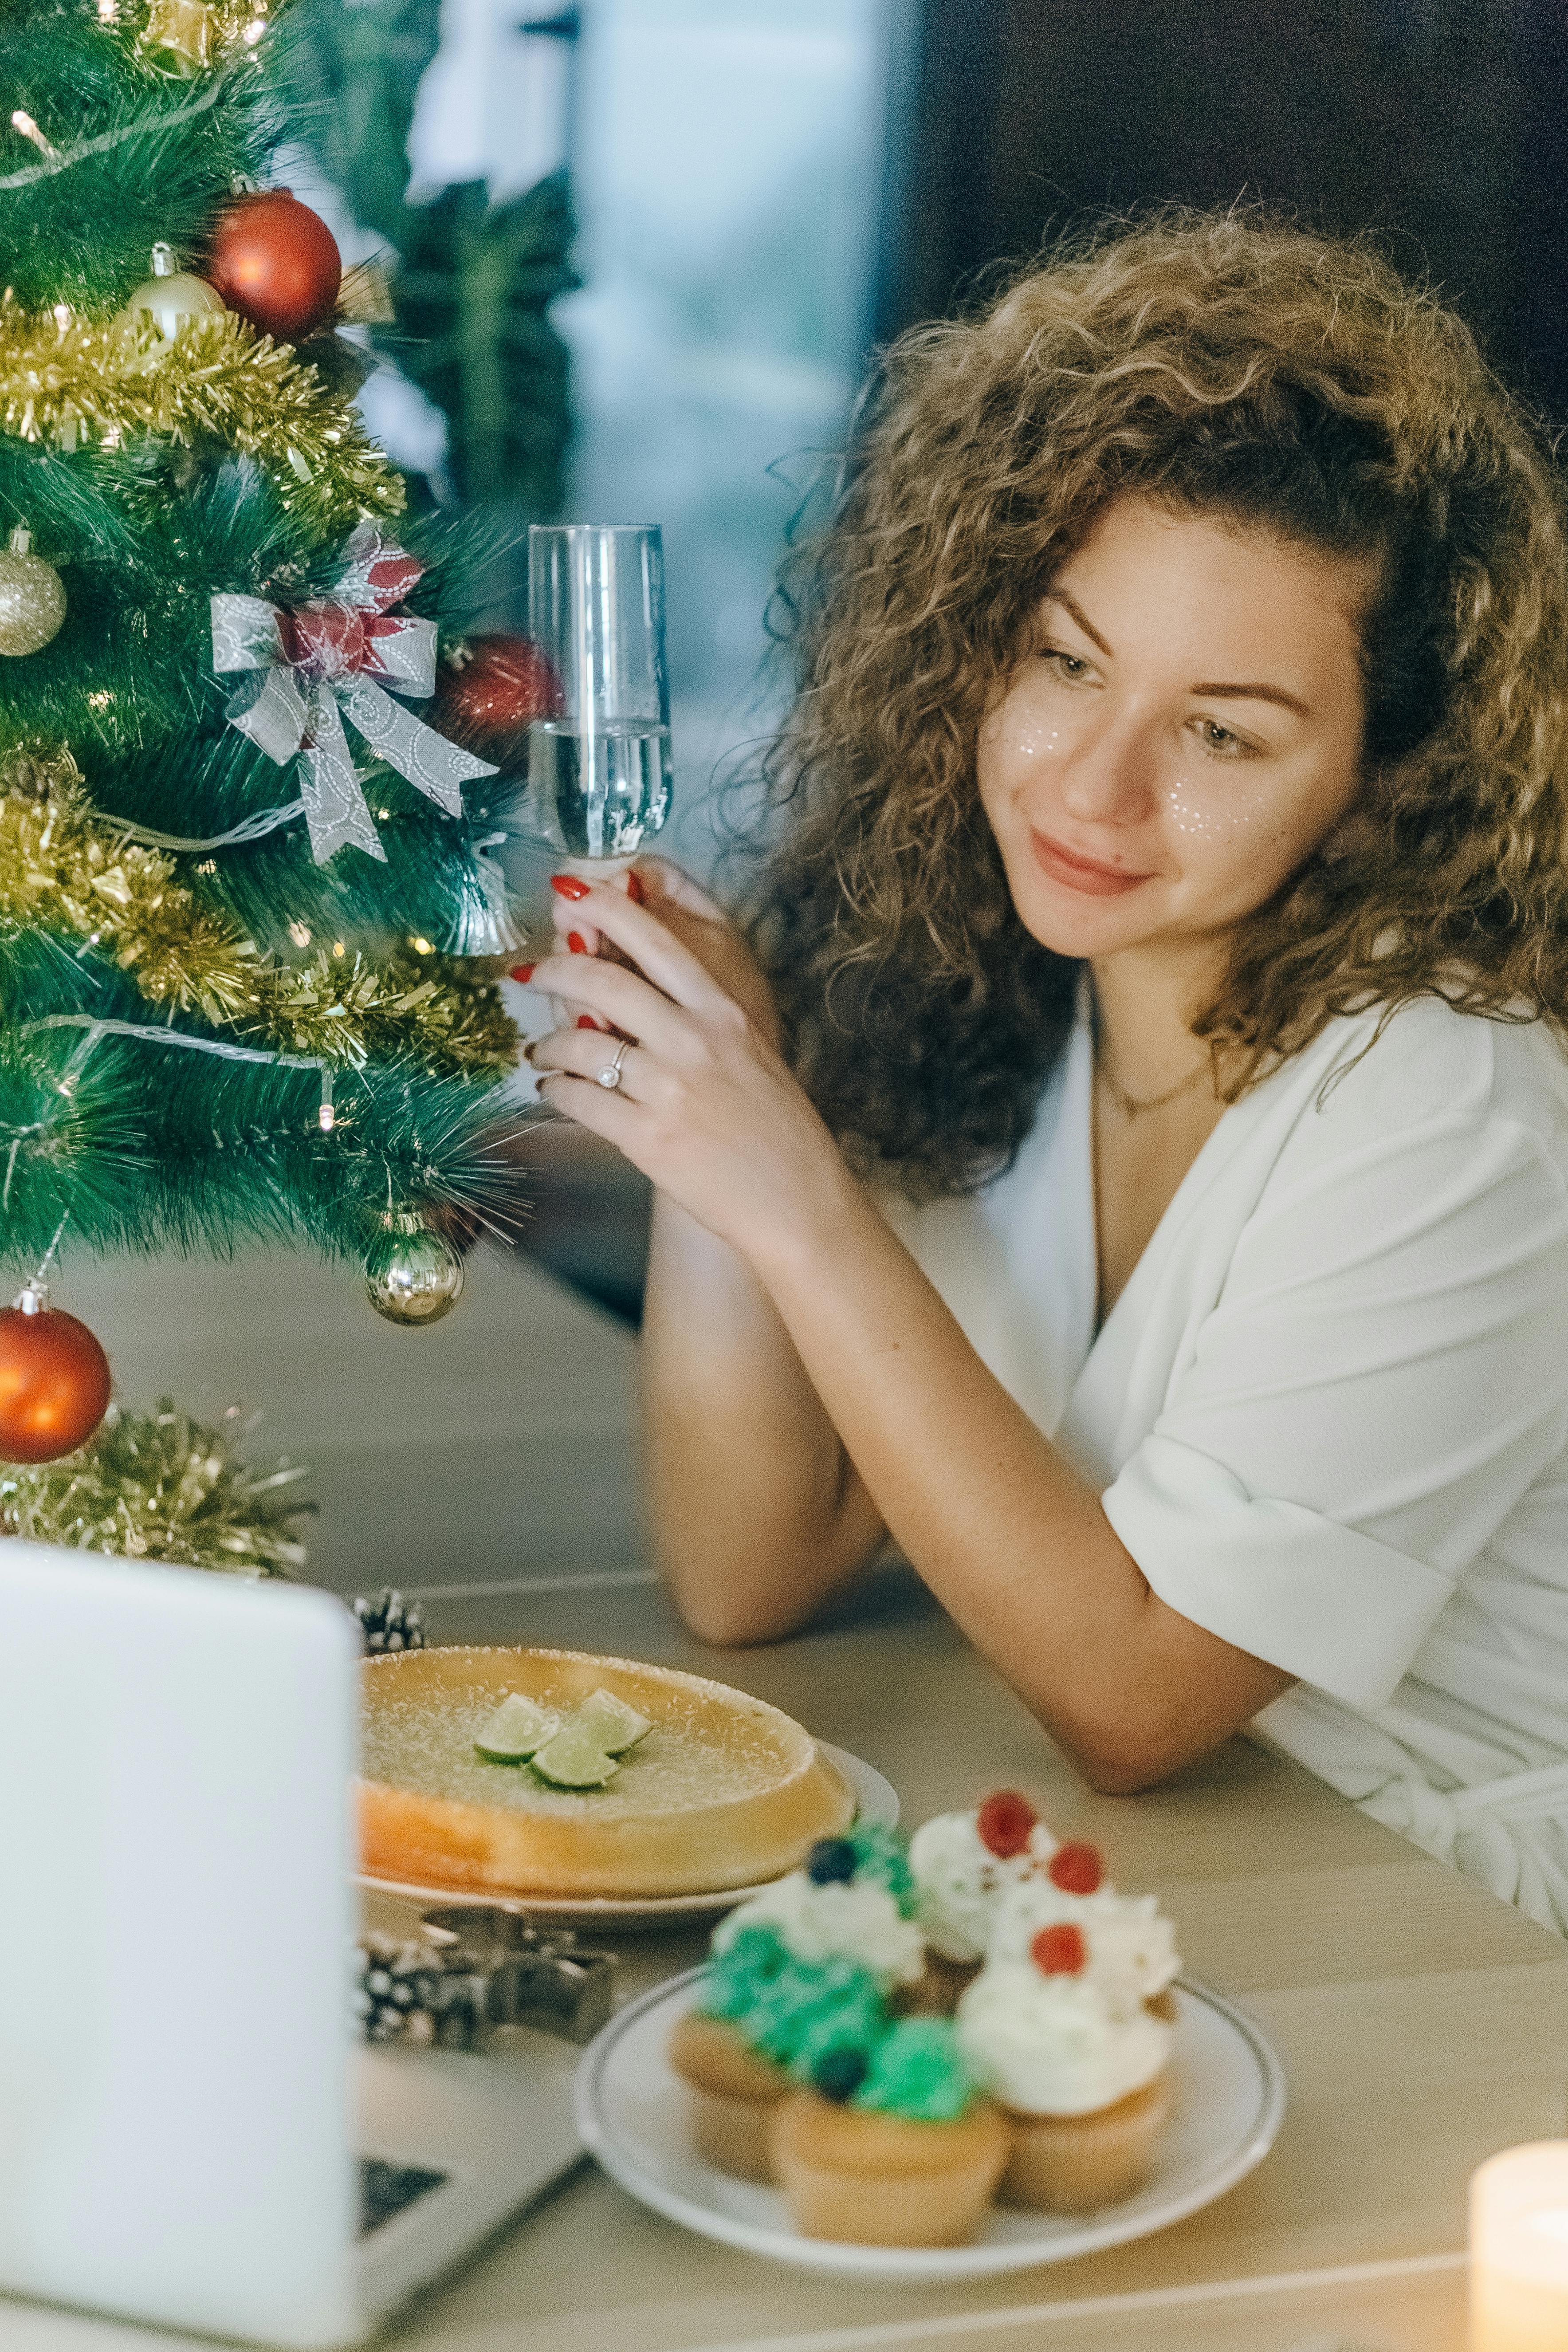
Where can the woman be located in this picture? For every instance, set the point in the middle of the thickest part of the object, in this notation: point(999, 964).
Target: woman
point(1132, 1170)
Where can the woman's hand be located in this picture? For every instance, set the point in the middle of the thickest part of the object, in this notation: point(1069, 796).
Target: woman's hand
point(706, 1105)
point(697, 921)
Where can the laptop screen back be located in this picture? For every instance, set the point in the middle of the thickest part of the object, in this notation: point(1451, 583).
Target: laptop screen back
point(175, 1756)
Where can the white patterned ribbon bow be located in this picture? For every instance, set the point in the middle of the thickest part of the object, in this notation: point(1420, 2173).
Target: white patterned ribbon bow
point(316, 665)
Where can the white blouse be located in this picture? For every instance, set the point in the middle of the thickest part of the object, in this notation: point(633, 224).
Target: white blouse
point(1328, 1413)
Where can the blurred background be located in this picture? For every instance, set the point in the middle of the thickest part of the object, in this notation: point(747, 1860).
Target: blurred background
point(640, 250)
point(643, 249)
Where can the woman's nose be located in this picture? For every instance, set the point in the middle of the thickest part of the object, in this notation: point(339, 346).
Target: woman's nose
point(1109, 777)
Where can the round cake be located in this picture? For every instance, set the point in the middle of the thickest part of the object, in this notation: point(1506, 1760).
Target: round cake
point(723, 1792)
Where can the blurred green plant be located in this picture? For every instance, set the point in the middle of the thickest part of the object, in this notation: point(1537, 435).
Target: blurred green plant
point(474, 279)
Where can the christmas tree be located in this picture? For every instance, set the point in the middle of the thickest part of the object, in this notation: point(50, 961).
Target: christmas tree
point(249, 934)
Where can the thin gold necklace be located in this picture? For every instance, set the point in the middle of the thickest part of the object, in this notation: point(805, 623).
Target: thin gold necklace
point(1132, 1107)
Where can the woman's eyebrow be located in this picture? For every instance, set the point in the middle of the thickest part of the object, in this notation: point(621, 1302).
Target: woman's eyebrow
point(1256, 694)
point(1251, 692)
point(1071, 604)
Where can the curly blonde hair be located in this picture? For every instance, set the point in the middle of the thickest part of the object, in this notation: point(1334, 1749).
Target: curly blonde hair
point(1229, 363)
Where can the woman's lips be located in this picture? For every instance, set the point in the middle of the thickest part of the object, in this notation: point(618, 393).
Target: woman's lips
point(1074, 873)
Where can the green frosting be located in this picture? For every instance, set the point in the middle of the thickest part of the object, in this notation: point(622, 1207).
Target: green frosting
point(847, 2011)
point(882, 1860)
point(737, 1976)
point(917, 2070)
point(810, 2006)
point(792, 2011)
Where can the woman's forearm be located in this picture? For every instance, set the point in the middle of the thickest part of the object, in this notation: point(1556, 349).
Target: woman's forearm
point(1006, 1534)
point(757, 1514)
point(757, 1517)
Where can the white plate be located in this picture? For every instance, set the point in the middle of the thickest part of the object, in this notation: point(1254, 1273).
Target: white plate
point(876, 1801)
point(631, 2113)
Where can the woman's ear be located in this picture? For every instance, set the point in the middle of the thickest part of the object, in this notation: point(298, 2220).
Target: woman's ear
point(1356, 837)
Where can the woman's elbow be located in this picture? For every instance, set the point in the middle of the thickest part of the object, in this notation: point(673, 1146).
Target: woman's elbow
point(1123, 1760)
point(724, 1619)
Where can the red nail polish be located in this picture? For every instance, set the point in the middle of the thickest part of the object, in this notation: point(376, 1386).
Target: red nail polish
point(576, 944)
point(586, 1021)
point(522, 971)
point(568, 886)
point(635, 890)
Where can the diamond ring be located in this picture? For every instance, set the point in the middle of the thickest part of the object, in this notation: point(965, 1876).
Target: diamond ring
point(610, 1075)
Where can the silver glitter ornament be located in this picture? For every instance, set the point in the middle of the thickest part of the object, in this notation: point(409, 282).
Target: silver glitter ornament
point(411, 1275)
point(32, 598)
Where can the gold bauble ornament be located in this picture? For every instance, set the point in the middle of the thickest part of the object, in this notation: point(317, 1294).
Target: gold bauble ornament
point(412, 1276)
point(170, 296)
point(178, 36)
point(32, 596)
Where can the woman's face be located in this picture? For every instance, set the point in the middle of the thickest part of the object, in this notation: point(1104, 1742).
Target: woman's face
point(1185, 731)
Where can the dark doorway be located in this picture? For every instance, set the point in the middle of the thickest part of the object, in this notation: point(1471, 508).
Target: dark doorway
point(1438, 124)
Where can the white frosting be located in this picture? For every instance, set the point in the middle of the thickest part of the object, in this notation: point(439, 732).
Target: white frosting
point(1132, 1952)
point(960, 1882)
point(1053, 2045)
point(859, 1922)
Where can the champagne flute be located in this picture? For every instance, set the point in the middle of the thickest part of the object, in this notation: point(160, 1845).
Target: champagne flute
point(598, 759)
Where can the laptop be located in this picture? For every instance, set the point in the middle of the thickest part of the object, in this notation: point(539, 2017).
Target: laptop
point(191, 2132)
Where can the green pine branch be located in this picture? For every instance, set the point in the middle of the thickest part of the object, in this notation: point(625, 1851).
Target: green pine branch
point(148, 1144)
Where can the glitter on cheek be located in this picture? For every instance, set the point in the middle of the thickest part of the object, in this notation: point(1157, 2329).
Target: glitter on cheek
point(1218, 812)
point(1036, 742)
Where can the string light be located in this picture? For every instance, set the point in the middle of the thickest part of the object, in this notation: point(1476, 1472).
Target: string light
point(22, 122)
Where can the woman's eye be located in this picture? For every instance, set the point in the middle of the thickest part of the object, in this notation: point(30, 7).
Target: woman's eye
point(1072, 667)
point(1221, 743)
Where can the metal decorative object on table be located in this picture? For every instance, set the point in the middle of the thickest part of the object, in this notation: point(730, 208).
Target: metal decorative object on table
point(472, 1969)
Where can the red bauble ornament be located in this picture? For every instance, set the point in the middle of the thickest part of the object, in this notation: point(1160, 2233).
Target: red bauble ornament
point(54, 1380)
point(276, 263)
point(489, 699)
point(1003, 1822)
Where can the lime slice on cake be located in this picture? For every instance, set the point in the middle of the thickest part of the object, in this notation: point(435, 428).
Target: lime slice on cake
point(575, 1758)
point(516, 1729)
point(616, 1725)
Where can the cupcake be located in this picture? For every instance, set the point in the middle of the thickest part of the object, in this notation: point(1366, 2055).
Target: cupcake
point(854, 1900)
point(1082, 2070)
point(892, 2145)
point(964, 1865)
point(732, 2082)
point(803, 1967)
point(1130, 1945)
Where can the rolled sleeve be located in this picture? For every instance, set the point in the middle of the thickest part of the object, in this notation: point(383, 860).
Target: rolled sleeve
point(1272, 1577)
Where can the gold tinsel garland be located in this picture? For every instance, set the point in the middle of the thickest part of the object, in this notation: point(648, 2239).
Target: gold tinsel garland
point(63, 869)
point(70, 381)
point(161, 1486)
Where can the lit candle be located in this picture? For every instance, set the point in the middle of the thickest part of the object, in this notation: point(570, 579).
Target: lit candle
point(1518, 2251)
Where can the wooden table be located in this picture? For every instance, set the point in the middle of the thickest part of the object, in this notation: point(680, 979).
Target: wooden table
point(1423, 2024)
